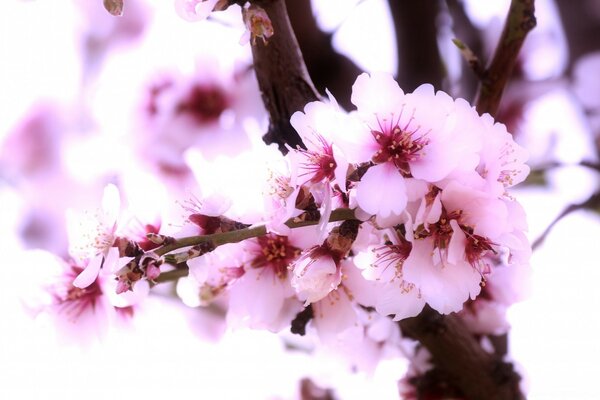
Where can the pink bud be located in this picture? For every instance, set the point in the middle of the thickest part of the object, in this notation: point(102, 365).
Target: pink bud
point(152, 271)
point(123, 286)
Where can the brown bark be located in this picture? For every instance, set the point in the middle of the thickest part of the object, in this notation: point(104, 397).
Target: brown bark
point(458, 355)
point(282, 76)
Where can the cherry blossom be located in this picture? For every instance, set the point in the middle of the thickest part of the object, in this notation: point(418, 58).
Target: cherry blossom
point(92, 237)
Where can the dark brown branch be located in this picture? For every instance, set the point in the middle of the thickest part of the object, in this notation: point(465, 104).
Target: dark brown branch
point(458, 355)
point(282, 76)
point(519, 22)
point(416, 38)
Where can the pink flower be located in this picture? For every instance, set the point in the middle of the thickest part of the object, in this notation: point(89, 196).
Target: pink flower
point(405, 136)
point(322, 161)
point(92, 237)
point(316, 274)
point(502, 162)
point(280, 195)
point(256, 278)
point(79, 314)
point(450, 257)
point(384, 264)
point(443, 284)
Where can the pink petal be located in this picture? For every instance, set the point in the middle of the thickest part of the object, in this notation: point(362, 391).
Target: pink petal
point(89, 274)
point(394, 300)
point(381, 191)
point(377, 94)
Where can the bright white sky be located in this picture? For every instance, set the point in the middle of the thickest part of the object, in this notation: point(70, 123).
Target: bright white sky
point(555, 333)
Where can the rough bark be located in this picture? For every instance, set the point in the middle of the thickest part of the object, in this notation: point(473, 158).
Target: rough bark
point(459, 356)
point(282, 76)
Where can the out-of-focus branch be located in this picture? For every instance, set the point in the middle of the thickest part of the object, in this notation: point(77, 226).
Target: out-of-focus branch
point(582, 28)
point(593, 202)
point(416, 38)
point(519, 22)
point(282, 77)
point(310, 391)
point(455, 351)
point(328, 68)
point(466, 32)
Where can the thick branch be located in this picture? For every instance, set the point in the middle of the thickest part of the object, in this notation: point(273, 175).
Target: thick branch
point(282, 76)
point(519, 22)
point(454, 350)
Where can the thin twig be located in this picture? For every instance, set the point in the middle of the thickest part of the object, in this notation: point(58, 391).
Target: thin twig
point(217, 239)
point(519, 22)
point(470, 57)
point(592, 202)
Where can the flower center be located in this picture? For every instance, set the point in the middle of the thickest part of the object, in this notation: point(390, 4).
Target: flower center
point(393, 255)
point(399, 146)
point(203, 103)
point(275, 252)
point(74, 301)
point(319, 163)
point(476, 248)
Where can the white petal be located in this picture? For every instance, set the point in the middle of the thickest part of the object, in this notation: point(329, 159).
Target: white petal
point(458, 242)
point(377, 94)
point(395, 300)
point(333, 315)
point(381, 191)
point(89, 274)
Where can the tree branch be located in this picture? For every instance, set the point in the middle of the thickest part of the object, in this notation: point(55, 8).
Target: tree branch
point(454, 350)
point(235, 236)
point(328, 68)
point(519, 22)
point(416, 39)
point(464, 30)
point(282, 77)
point(592, 202)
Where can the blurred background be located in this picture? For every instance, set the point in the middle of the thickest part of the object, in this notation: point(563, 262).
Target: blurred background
point(88, 99)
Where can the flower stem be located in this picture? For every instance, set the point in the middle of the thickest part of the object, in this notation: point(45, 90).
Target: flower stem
point(173, 275)
point(217, 239)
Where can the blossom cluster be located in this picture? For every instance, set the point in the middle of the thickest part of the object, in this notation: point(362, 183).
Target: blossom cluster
point(399, 204)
